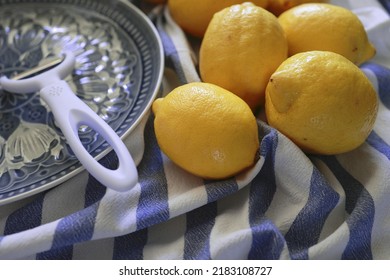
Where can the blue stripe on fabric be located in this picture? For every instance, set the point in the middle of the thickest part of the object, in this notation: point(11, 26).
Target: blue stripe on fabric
point(130, 246)
point(306, 228)
point(267, 241)
point(153, 205)
point(74, 228)
point(170, 51)
point(25, 218)
point(93, 194)
point(383, 76)
point(379, 144)
point(218, 189)
point(385, 4)
point(197, 236)
point(360, 206)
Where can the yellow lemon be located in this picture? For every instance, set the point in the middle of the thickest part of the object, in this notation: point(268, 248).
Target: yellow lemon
point(206, 130)
point(326, 27)
point(193, 16)
point(322, 102)
point(279, 6)
point(242, 47)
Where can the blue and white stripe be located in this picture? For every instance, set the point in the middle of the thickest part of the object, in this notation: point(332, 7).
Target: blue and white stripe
point(288, 206)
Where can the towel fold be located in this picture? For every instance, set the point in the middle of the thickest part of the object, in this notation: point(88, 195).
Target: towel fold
point(290, 205)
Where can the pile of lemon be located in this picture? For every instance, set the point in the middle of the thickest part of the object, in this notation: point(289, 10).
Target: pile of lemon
point(299, 61)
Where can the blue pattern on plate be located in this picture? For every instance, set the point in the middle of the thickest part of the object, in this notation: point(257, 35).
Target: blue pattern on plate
point(117, 72)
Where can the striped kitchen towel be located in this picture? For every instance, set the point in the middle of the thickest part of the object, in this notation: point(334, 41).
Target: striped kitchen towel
point(290, 205)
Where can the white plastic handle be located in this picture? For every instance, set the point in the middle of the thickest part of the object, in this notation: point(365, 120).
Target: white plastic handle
point(70, 113)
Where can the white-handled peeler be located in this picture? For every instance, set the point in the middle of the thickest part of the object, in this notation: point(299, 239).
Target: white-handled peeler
point(71, 113)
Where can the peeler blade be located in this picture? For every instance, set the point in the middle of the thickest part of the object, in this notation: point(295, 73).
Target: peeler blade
point(44, 66)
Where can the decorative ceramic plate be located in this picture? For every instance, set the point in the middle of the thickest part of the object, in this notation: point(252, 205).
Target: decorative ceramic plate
point(119, 64)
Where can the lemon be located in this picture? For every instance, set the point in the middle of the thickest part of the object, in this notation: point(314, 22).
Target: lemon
point(320, 26)
point(279, 6)
point(242, 47)
point(206, 130)
point(322, 102)
point(193, 16)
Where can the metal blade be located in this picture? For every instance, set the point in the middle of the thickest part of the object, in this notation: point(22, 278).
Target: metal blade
point(47, 64)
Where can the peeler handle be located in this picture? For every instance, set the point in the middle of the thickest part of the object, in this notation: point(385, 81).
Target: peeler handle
point(70, 113)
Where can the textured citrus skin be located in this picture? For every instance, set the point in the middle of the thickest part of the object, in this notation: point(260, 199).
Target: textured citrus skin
point(322, 102)
point(242, 47)
point(207, 130)
point(326, 27)
point(279, 6)
point(193, 16)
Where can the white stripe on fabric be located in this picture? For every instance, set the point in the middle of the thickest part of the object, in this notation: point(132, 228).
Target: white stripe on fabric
point(293, 172)
point(376, 22)
point(185, 191)
point(374, 173)
point(231, 236)
point(135, 141)
point(353, 4)
point(186, 55)
point(372, 77)
point(382, 123)
point(335, 227)
point(65, 199)
point(337, 217)
point(166, 240)
point(332, 247)
point(7, 209)
point(230, 233)
point(198, 229)
point(117, 213)
point(170, 81)
point(360, 208)
point(27, 243)
point(58, 203)
point(285, 254)
point(246, 177)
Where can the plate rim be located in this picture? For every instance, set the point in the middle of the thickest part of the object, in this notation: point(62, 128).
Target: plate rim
point(146, 21)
